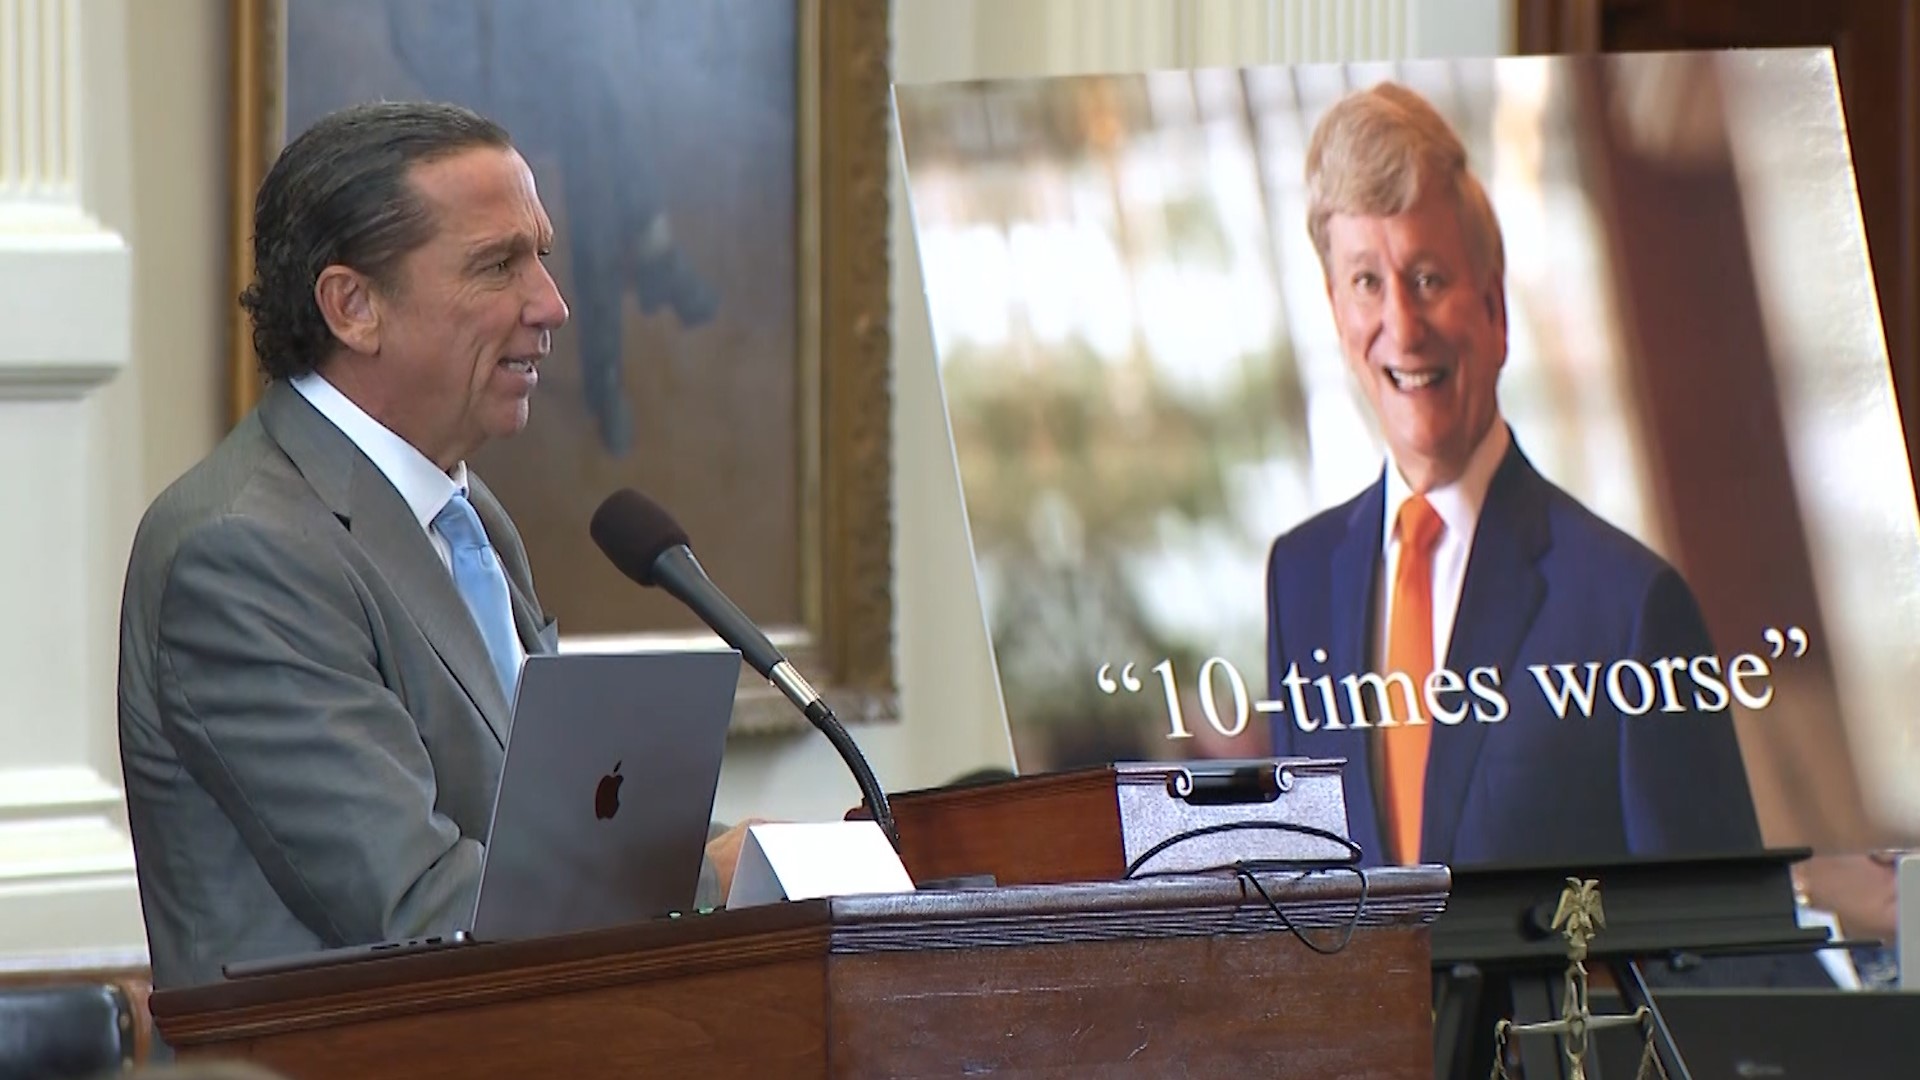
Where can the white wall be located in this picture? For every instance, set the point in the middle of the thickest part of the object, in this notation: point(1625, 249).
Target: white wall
point(110, 388)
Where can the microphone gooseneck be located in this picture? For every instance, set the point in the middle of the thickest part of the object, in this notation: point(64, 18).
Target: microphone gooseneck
point(644, 541)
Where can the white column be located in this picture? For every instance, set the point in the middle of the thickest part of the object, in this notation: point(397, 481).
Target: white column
point(66, 864)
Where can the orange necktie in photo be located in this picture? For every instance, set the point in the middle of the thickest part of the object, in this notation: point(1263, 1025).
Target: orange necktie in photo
point(1410, 650)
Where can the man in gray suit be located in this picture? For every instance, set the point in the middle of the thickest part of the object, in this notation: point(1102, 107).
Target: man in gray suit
point(324, 619)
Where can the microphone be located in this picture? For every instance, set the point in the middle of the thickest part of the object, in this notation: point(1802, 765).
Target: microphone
point(644, 542)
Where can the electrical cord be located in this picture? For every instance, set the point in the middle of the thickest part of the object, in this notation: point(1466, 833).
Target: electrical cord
point(1247, 870)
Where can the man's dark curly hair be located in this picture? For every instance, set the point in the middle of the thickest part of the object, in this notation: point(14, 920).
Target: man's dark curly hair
point(339, 193)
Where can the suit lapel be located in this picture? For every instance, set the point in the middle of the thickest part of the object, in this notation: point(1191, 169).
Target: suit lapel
point(380, 522)
point(1354, 562)
point(1501, 595)
point(537, 633)
point(534, 636)
point(393, 538)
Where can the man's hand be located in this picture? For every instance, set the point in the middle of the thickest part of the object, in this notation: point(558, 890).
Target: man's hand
point(723, 852)
point(1858, 889)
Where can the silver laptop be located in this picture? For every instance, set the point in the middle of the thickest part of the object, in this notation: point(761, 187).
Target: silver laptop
point(606, 793)
point(604, 800)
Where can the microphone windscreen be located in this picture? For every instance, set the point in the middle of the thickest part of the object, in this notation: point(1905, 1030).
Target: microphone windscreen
point(633, 530)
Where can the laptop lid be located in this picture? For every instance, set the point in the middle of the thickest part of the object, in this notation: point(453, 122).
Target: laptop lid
point(606, 792)
point(1728, 1034)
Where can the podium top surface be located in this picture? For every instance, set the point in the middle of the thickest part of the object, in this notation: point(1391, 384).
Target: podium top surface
point(1170, 907)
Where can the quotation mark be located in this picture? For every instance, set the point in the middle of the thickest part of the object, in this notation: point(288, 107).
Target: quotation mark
point(1234, 723)
point(1779, 641)
point(1127, 679)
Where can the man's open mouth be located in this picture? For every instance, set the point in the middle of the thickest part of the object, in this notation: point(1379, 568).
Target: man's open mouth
point(520, 365)
point(1416, 380)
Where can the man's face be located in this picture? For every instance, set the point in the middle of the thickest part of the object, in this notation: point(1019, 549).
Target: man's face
point(470, 313)
point(1424, 334)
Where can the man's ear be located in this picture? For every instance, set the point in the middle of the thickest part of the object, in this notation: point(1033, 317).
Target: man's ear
point(1497, 306)
point(347, 301)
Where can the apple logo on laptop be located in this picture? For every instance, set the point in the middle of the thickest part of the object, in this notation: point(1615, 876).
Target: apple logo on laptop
point(606, 797)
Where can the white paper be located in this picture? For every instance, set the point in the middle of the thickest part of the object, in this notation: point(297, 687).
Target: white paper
point(805, 860)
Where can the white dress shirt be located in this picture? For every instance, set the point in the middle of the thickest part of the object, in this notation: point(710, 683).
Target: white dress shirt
point(1459, 505)
point(419, 481)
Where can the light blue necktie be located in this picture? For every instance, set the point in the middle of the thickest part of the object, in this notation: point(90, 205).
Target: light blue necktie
point(482, 584)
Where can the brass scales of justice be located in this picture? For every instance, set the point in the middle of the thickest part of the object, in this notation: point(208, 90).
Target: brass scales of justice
point(1578, 918)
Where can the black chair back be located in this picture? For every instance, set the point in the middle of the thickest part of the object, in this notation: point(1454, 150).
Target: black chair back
point(67, 1032)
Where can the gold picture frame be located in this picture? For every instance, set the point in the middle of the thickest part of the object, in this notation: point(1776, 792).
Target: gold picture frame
point(844, 639)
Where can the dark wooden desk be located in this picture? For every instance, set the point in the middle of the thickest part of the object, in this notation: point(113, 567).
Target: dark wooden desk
point(1190, 977)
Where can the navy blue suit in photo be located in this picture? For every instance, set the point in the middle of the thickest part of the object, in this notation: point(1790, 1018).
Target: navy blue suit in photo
point(1547, 582)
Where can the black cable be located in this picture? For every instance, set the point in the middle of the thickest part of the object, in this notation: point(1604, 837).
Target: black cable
point(1353, 849)
point(1247, 870)
point(1346, 936)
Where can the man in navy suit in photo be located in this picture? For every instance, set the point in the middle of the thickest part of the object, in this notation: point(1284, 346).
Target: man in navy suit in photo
point(1462, 567)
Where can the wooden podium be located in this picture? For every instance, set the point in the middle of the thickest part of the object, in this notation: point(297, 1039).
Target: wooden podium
point(1191, 975)
point(1090, 824)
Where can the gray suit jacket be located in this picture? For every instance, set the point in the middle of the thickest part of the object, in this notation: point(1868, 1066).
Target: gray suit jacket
point(310, 730)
